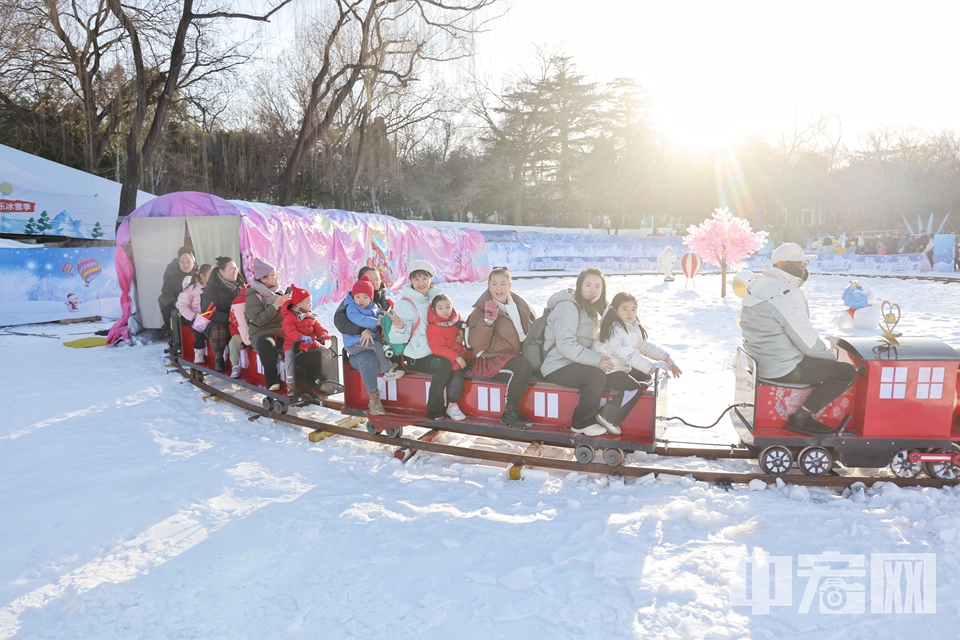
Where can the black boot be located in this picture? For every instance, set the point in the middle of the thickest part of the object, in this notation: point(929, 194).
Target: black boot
point(513, 418)
point(220, 366)
point(803, 422)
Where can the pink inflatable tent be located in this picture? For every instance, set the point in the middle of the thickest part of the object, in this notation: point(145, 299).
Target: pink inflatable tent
point(321, 250)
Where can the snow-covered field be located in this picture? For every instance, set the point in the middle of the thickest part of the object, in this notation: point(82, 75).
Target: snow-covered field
point(131, 508)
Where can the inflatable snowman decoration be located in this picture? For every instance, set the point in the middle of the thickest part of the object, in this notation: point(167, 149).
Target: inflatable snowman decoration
point(665, 260)
point(862, 310)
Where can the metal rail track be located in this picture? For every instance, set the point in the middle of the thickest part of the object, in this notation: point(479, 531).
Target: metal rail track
point(523, 459)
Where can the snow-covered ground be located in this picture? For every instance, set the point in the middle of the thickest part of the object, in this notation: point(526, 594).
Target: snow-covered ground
point(131, 508)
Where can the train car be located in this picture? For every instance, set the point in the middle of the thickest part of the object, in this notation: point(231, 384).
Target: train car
point(251, 375)
point(900, 412)
point(548, 406)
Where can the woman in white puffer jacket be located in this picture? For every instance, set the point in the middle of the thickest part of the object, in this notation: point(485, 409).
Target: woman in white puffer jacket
point(624, 340)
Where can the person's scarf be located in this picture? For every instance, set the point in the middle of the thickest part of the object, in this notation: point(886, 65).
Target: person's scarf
point(234, 286)
point(268, 295)
point(510, 309)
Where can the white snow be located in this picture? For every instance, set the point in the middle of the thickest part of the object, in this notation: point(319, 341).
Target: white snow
point(132, 508)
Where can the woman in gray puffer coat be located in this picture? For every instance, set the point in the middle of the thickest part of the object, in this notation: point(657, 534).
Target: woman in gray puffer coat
point(570, 360)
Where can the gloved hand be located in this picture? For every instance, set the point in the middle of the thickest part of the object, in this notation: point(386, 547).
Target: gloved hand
point(661, 366)
point(490, 311)
point(306, 340)
point(324, 338)
point(462, 364)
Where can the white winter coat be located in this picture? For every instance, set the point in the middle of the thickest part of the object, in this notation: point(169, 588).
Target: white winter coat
point(629, 350)
point(412, 306)
point(776, 327)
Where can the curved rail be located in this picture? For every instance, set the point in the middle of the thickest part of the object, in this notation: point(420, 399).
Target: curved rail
point(527, 460)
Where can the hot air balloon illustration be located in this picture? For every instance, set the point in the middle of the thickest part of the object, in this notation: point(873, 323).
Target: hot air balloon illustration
point(88, 269)
point(690, 262)
point(67, 269)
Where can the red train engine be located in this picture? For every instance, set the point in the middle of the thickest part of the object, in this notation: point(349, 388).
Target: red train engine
point(900, 411)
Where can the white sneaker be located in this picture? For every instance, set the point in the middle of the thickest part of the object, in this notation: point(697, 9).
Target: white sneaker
point(592, 430)
point(393, 374)
point(611, 428)
point(453, 410)
point(198, 356)
point(274, 387)
point(235, 371)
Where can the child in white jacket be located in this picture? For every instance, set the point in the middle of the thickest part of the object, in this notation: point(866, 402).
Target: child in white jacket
point(624, 340)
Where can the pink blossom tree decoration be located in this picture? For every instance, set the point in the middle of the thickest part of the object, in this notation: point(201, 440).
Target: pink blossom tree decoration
point(725, 240)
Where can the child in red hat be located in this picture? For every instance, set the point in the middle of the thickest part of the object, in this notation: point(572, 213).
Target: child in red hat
point(365, 313)
point(304, 338)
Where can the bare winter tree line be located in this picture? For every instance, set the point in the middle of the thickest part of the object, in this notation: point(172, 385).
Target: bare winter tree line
point(358, 108)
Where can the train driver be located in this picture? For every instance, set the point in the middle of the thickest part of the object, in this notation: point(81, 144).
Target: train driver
point(777, 333)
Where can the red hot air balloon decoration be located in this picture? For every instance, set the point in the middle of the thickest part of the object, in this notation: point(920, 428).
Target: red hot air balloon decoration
point(88, 269)
point(690, 262)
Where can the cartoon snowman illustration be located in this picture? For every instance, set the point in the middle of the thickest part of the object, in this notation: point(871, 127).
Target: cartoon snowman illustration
point(73, 302)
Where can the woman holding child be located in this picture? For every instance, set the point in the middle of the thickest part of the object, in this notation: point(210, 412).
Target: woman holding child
point(365, 348)
point(571, 359)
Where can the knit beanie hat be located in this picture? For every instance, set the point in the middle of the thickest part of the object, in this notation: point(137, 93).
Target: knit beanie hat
point(261, 268)
point(364, 286)
point(422, 265)
point(298, 295)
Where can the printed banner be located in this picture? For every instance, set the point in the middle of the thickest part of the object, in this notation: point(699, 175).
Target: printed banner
point(536, 251)
point(324, 250)
point(41, 197)
point(47, 285)
point(943, 252)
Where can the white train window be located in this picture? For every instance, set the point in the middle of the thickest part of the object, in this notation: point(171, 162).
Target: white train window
point(893, 383)
point(930, 383)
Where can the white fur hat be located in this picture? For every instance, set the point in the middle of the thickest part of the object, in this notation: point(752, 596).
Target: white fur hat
point(422, 265)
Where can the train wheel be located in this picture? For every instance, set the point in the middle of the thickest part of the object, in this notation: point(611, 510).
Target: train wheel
point(902, 467)
point(281, 407)
point(775, 460)
point(584, 454)
point(612, 457)
point(267, 404)
point(371, 429)
point(943, 470)
point(815, 461)
point(394, 433)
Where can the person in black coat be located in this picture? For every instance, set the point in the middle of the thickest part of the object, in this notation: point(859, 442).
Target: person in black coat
point(183, 267)
point(224, 285)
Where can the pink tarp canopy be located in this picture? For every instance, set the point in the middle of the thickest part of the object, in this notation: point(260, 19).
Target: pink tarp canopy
point(321, 250)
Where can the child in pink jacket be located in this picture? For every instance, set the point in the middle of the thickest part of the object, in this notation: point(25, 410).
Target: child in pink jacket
point(188, 304)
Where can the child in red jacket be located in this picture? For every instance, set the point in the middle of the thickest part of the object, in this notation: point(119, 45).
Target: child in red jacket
point(445, 336)
point(303, 339)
